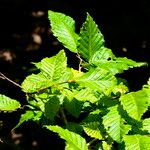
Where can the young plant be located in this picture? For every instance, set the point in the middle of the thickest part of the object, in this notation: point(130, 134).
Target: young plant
point(89, 107)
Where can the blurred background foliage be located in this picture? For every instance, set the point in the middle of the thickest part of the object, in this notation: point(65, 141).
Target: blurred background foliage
point(25, 37)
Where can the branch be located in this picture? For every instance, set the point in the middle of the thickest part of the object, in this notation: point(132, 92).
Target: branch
point(2, 76)
point(54, 85)
point(80, 59)
point(91, 142)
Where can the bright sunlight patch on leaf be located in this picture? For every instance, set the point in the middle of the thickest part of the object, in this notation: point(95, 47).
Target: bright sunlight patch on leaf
point(74, 140)
point(63, 27)
point(91, 40)
point(135, 103)
point(115, 124)
point(8, 104)
point(97, 79)
point(136, 142)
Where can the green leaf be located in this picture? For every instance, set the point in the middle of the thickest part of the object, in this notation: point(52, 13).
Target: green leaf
point(124, 63)
point(106, 146)
point(54, 67)
point(75, 99)
point(67, 75)
point(69, 147)
point(35, 82)
point(135, 103)
point(39, 101)
point(103, 146)
point(115, 124)
point(29, 115)
point(104, 54)
point(63, 27)
point(52, 107)
point(86, 94)
point(136, 142)
point(93, 116)
point(53, 70)
point(8, 104)
point(120, 88)
point(91, 40)
point(117, 65)
point(67, 93)
point(129, 62)
point(146, 88)
point(73, 106)
point(146, 125)
point(74, 140)
point(97, 79)
point(83, 95)
point(92, 129)
point(74, 127)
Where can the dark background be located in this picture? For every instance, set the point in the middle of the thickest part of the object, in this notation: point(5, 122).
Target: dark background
point(25, 37)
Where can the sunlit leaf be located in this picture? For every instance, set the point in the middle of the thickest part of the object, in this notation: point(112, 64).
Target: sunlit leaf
point(54, 67)
point(63, 27)
point(74, 140)
point(136, 142)
point(92, 129)
point(35, 82)
point(104, 54)
point(29, 115)
point(97, 79)
point(91, 40)
point(135, 103)
point(8, 104)
point(53, 70)
point(86, 95)
point(115, 124)
point(117, 65)
point(106, 146)
point(146, 125)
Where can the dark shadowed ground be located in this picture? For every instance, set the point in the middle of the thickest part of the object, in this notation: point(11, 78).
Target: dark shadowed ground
point(25, 37)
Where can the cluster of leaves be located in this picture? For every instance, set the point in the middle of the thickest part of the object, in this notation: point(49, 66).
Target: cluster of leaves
point(94, 107)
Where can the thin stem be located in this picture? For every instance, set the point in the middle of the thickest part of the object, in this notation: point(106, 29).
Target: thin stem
point(63, 115)
point(2, 76)
point(78, 56)
point(91, 142)
point(54, 85)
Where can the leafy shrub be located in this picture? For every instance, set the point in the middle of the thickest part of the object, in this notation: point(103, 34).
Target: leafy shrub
point(90, 108)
